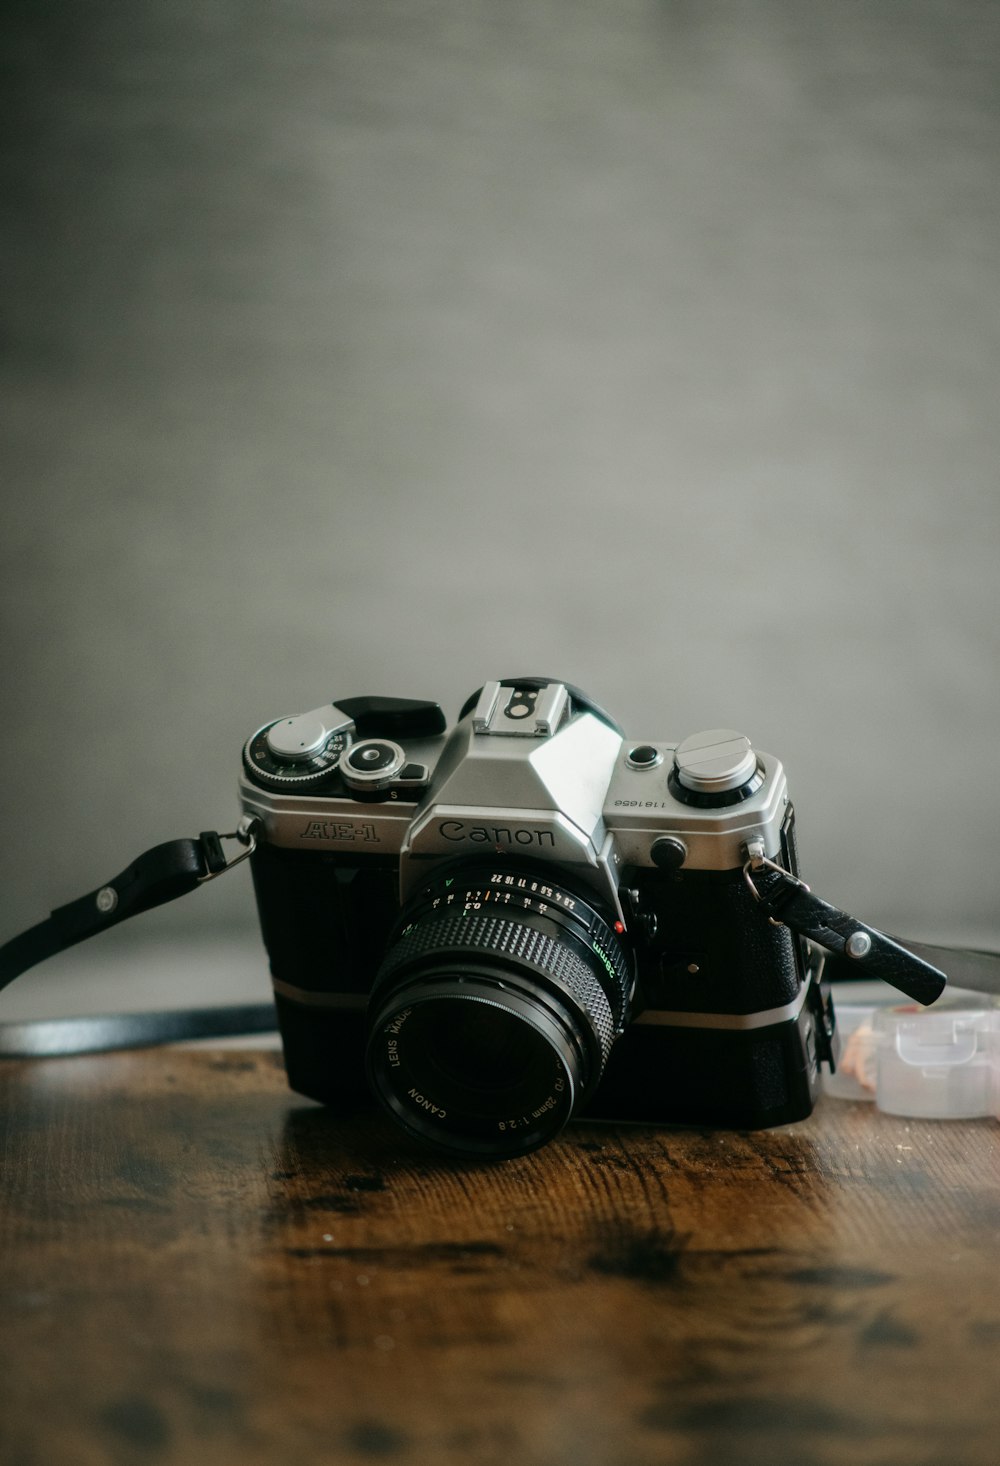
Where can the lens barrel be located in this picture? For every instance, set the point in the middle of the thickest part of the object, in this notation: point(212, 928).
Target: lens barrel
point(494, 1011)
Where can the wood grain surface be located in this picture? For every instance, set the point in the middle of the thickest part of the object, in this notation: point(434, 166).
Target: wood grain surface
point(196, 1268)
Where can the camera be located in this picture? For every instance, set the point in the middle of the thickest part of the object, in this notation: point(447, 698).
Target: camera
point(529, 916)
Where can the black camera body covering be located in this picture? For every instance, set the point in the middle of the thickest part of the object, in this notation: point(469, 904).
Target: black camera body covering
point(529, 916)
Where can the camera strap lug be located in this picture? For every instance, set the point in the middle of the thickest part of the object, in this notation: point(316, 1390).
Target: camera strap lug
point(787, 901)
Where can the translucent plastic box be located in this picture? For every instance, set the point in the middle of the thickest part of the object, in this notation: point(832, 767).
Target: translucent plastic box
point(937, 1063)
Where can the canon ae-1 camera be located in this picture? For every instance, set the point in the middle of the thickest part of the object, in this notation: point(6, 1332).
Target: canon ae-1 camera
point(529, 916)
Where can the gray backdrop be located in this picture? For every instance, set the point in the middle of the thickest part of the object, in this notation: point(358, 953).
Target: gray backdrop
point(358, 346)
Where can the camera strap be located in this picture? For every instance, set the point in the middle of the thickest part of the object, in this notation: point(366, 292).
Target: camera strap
point(50, 1038)
point(171, 870)
point(861, 952)
point(156, 877)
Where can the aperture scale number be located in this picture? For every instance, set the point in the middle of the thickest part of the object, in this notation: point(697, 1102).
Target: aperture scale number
point(506, 890)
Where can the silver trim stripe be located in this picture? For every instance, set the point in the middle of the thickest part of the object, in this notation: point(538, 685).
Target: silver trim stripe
point(764, 1019)
point(352, 1002)
point(657, 1017)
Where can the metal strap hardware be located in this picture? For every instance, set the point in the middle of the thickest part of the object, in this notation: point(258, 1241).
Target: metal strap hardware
point(759, 861)
point(246, 832)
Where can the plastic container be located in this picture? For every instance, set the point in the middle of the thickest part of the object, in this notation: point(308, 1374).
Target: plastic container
point(937, 1063)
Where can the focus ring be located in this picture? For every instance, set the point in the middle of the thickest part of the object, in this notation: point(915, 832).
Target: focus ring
point(461, 932)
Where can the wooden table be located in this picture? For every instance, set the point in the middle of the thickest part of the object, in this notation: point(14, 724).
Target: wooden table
point(197, 1267)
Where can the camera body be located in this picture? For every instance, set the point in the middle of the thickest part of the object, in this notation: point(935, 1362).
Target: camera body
point(528, 916)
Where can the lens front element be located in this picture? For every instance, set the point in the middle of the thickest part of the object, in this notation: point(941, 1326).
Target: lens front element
point(468, 1073)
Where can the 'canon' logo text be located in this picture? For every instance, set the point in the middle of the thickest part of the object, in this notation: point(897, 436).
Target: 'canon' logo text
point(457, 830)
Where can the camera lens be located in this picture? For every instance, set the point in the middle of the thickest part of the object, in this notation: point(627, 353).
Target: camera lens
point(495, 1009)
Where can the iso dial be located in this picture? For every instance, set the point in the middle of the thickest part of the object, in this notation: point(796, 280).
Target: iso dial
point(301, 750)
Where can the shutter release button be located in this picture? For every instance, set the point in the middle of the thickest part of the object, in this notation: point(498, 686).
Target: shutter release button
point(643, 756)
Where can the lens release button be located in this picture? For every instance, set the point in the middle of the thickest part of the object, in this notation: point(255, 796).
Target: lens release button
point(668, 853)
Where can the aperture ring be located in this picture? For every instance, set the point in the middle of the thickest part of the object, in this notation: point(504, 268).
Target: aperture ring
point(459, 933)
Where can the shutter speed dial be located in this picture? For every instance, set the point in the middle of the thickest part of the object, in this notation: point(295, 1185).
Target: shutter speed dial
point(301, 750)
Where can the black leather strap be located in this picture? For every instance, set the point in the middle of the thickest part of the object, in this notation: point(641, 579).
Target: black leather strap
point(160, 875)
point(57, 1037)
point(964, 967)
point(870, 952)
point(156, 877)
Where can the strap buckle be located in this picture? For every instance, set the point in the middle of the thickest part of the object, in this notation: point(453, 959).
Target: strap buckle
point(246, 833)
point(758, 861)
